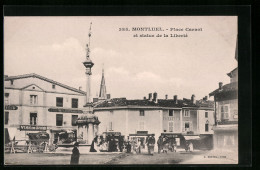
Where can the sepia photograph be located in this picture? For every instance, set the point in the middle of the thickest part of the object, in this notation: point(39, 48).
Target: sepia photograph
point(120, 90)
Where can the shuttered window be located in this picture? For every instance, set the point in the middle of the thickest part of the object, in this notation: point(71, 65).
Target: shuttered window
point(170, 126)
point(59, 119)
point(73, 120)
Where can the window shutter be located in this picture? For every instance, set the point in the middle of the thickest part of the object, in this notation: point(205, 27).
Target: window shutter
point(191, 128)
point(226, 112)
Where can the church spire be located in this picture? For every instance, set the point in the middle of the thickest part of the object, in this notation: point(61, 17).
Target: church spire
point(103, 92)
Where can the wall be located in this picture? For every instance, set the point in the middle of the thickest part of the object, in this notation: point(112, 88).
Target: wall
point(175, 119)
point(202, 121)
point(21, 98)
point(233, 109)
point(192, 119)
point(127, 121)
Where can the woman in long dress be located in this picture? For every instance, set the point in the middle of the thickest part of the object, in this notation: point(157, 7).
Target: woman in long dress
point(75, 155)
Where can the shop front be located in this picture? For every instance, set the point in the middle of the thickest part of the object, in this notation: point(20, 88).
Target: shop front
point(200, 142)
point(140, 135)
point(63, 136)
point(26, 135)
point(175, 138)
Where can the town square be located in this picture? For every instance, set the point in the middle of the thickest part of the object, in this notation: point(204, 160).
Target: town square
point(84, 96)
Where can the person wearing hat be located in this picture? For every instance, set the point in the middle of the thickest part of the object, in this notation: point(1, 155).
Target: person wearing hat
point(75, 154)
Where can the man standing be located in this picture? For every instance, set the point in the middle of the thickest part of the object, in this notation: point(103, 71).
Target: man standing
point(120, 143)
point(151, 142)
point(159, 143)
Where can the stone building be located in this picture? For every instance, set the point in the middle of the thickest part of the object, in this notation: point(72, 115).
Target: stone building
point(188, 119)
point(226, 113)
point(35, 104)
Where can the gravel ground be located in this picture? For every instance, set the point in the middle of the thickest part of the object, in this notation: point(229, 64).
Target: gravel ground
point(181, 157)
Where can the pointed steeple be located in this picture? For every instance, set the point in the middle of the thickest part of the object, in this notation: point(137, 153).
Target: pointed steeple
point(103, 92)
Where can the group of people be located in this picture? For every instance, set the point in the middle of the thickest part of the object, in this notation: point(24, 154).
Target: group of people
point(135, 145)
point(165, 144)
point(110, 144)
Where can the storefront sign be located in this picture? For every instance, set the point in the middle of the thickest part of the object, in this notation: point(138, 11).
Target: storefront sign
point(142, 132)
point(171, 118)
point(113, 133)
point(11, 107)
point(64, 110)
point(33, 128)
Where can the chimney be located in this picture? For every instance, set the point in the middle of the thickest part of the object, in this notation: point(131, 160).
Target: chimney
point(220, 84)
point(150, 96)
point(206, 98)
point(155, 97)
point(193, 99)
point(108, 96)
point(80, 87)
point(175, 98)
point(144, 98)
point(166, 96)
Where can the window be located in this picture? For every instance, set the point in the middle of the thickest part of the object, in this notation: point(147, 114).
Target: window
point(59, 101)
point(224, 112)
point(12, 82)
point(141, 112)
point(141, 125)
point(170, 126)
point(53, 86)
point(33, 118)
point(206, 127)
point(206, 115)
point(187, 126)
point(6, 98)
point(6, 118)
point(74, 103)
point(110, 126)
point(171, 112)
point(73, 120)
point(59, 119)
point(186, 113)
point(33, 99)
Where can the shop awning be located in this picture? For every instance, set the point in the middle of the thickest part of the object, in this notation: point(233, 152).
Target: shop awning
point(191, 137)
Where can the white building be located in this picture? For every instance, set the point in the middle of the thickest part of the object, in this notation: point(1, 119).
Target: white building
point(34, 103)
point(181, 119)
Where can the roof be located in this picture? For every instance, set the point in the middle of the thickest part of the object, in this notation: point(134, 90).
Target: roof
point(232, 73)
point(45, 79)
point(119, 102)
point(226, 88)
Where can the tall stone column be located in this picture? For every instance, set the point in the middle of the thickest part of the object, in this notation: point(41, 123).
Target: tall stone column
point(96, 129)
point(90, 132)
point(88, 119)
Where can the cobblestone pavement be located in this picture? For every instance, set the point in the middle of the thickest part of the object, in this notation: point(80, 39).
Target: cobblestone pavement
point(181, 157)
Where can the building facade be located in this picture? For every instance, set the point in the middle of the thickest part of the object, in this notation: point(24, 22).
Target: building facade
point(35, 104)
point(182, 119)
point(226, 113)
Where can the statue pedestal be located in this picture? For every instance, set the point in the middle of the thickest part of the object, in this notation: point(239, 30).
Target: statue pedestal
point(86, 123)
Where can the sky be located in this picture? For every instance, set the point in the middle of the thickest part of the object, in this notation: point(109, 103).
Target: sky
point(55, 47)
